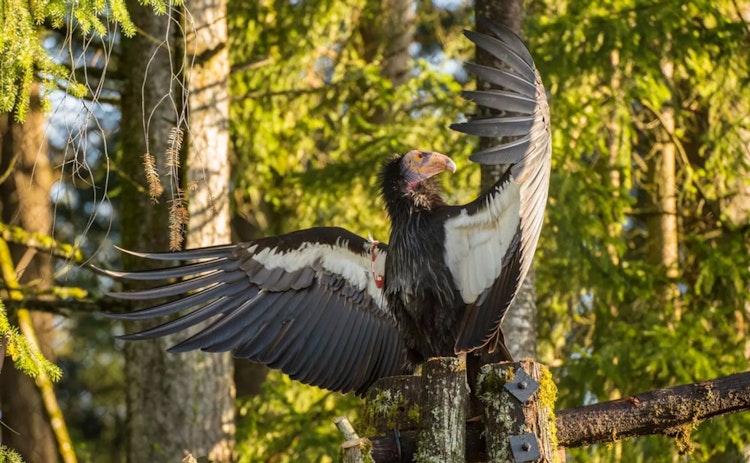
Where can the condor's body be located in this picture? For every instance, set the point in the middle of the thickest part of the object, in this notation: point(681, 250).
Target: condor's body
point(333, 309)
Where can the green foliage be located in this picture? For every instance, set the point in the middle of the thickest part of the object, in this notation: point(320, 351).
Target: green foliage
point(309, 139)
point(291, 422)
point(605, 321)
point(317, 117)
point(23, 58)
point(92, 363)
point(25, 356)
point(21, 54)
point(314, 117)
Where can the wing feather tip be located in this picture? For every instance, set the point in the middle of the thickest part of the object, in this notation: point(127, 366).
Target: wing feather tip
point(128, 316)
point(181, 348)
point(132, 253)
point(139, 336)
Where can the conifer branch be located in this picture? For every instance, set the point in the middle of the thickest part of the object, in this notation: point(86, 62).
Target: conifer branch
point(9, 455)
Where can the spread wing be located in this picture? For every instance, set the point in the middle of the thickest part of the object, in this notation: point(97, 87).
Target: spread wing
point(308, 303)
point(492, 240)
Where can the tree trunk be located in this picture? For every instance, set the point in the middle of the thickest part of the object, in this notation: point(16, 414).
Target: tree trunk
point(25, 202)
point(154, 430)
point(614, 225)
point(387, 30)
point(663, 247)
point(519, 325)
point(176, 403)
point(396, 19)
point(208, 179)
point(614, 146)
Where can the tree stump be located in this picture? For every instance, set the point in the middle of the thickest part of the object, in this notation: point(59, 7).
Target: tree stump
point(424, 418)
point(518, 412)
point(445, 401)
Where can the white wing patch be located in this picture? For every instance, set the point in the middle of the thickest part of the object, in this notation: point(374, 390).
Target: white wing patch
point(477, 243)
point(357, 269)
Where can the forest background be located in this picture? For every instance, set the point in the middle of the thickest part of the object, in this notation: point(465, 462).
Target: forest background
point(642, 273)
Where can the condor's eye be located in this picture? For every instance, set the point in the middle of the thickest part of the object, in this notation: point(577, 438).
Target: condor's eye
point(420, 155)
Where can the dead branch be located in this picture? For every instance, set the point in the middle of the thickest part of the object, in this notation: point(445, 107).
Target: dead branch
point(662, 411)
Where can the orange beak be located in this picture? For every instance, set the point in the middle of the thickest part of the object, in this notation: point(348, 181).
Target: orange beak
point(442, 162)
point(417, 165)
point(429, 163)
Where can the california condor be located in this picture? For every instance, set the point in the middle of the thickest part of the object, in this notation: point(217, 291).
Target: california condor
point(336, 310)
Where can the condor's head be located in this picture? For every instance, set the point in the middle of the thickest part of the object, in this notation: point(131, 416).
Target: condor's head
point(408, 179)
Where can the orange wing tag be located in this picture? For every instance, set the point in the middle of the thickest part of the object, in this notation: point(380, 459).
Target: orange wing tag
point(379, 278)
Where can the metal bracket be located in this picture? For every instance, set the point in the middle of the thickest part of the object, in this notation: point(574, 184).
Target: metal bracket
point(522, 386)
point(524, 448)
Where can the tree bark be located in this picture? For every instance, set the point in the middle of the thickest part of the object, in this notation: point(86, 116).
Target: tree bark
point(520, 324)
point(355, 449)
point(176, 403)
point(24, 197)
point(429, 428)
point(395, 20)
point(672, 411)
point(445, 408)
point(506, 416)
point(156, 417)
point(208, 180)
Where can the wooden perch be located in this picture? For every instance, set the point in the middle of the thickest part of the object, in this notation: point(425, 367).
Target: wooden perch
point(662, 411)
point(518, 400)
point(446, 395)
point(394, 408)
point(413, 420)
